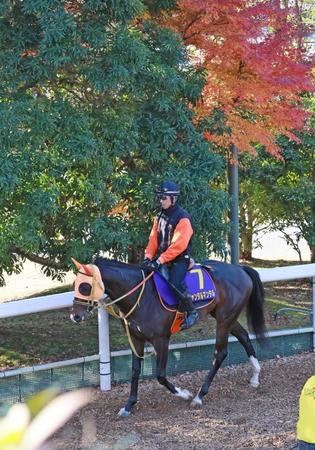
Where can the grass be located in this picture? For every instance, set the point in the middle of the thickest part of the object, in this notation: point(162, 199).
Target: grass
point(51, 336)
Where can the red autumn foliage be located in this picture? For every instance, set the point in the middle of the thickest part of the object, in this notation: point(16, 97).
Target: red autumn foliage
point(73, 7)
point(29, 52)
point(251, 51)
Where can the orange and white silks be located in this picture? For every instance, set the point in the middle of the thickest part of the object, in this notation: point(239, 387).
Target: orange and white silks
point(180, 240)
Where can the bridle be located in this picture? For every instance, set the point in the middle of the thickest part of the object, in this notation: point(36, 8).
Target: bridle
point(92, 303)
point(89, 304)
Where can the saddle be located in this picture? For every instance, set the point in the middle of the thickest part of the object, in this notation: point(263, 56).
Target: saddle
point(199, 285)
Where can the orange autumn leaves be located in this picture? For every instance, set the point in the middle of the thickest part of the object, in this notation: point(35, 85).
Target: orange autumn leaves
point(254, 66)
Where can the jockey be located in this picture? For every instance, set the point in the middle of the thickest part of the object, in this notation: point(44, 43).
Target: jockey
point(169, 246)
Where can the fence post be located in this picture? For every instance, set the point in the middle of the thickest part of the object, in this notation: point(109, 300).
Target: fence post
point(104, 350)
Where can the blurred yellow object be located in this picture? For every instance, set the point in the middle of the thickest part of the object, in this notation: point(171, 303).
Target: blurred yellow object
point(28, 425)
point(13, 426)
point(306, 422)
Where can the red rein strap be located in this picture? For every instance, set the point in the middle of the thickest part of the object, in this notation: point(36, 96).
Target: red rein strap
point(133, 289)
point(140, 284)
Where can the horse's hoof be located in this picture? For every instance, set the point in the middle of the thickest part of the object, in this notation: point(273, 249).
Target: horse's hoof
point(183, 393)
point(254, 383)
point(196, 401)
point(124, 413)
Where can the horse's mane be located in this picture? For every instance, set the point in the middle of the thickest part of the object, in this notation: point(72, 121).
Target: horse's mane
point(101, 262)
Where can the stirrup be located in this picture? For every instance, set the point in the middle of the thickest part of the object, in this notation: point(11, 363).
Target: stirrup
point(190, 320)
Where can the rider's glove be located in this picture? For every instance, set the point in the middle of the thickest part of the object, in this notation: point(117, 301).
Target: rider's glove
point(145, 262)
point(153, 265)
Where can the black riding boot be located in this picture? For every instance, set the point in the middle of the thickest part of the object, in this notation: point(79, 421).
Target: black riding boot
point(185, 305)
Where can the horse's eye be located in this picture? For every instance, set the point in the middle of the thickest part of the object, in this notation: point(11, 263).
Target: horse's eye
point(85, 289)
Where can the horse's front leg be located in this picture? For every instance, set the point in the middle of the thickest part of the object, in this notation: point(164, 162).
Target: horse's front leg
point(161, 348)
point(136, 368)
point(220, 354)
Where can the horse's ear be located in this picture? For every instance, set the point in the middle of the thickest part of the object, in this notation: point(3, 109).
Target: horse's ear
point(76, 263)
point(88, 270)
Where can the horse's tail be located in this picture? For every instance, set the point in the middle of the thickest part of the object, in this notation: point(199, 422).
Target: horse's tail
point(255, 305)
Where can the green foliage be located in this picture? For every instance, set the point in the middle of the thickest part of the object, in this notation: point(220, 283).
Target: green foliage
point(280, 193)
point(94, 109)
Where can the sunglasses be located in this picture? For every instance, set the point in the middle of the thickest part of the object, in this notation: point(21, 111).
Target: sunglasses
point(162, 197)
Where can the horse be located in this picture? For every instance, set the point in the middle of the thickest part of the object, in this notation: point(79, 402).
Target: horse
point(238, 287)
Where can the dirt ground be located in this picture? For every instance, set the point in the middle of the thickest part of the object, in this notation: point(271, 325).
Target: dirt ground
point(233, 416)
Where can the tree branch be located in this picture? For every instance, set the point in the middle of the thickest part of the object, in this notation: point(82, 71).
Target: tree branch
point(37, 259)
point(194, 20)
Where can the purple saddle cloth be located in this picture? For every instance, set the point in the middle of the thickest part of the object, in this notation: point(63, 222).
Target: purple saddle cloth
point(199, 285)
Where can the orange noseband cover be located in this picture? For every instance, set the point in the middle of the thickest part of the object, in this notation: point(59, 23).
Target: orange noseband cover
point(91, 275)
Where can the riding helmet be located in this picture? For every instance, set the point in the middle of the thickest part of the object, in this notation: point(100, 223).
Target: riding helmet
point(168, 188)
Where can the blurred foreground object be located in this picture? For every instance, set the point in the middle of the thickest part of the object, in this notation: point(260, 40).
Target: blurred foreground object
point(306, 422)
point(28, 425)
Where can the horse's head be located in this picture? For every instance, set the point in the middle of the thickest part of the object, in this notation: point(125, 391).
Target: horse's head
point(88, 289)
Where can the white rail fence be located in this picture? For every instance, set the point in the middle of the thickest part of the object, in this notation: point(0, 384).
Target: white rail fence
point(64, 300)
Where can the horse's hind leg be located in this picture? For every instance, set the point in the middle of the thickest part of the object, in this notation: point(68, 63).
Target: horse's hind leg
point(219, 356)
point(136, 368)
point(161, 348)
point(241, 334)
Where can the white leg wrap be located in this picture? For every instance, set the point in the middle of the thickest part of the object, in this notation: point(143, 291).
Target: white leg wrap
point(183, 393)
point(254, 381)
point(196, 401)
point(123, 412)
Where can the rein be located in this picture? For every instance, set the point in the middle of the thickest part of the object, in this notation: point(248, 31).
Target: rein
point(109, 307)
point(142, 283)
point(95, 303)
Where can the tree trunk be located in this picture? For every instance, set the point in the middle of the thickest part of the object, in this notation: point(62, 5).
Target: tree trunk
point(135, 255)
point(246, 244)
point(233, 189)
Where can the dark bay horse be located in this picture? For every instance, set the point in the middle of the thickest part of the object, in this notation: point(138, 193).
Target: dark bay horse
point(238, 287)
